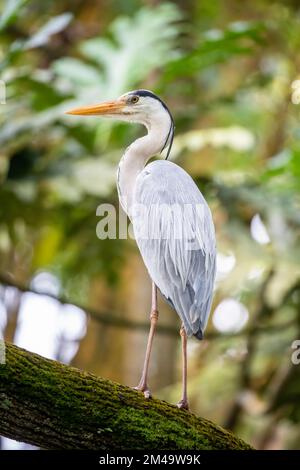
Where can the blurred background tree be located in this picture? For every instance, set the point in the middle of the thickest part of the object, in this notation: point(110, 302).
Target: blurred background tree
point(229, 72)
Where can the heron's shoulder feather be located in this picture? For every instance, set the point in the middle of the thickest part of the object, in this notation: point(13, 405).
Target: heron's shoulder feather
point(164, 168)
point(164, 181)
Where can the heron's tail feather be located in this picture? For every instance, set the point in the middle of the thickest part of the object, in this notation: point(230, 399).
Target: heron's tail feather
point(199, 334)
point(192, 313)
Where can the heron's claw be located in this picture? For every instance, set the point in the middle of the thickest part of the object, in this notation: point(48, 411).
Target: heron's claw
point(183, 405)
point(147, 394)
point(145, 390)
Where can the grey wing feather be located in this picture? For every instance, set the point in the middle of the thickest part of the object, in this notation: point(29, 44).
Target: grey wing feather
point(174, 231)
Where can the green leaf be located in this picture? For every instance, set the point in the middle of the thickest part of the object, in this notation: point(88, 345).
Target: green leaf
point(217, 46)
point(138, 45)
point(53, 26)
point(11, 12)
point(77, 71)
point(94, 176)
point(40, 38)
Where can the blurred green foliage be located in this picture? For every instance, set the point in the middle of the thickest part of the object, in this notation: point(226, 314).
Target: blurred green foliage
point(226, 69)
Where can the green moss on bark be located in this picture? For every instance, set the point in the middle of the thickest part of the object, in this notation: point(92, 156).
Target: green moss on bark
point(55, 406)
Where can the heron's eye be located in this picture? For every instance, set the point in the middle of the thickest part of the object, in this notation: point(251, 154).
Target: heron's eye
point(134, 99)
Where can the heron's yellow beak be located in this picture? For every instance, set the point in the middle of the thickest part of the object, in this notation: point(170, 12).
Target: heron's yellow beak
point(106, 108)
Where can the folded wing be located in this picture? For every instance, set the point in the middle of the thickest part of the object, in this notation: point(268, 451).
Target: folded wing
point(174, 231)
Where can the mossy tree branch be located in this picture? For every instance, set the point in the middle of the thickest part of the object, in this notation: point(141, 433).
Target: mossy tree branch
point(54, 406)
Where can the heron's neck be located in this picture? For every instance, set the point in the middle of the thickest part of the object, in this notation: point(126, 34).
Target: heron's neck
point(138, 153)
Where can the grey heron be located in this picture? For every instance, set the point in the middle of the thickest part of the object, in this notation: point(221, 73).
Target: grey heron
point(171, 220)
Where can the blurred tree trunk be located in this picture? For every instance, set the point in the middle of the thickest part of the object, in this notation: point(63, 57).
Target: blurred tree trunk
point(54, 406)
point(12, 316)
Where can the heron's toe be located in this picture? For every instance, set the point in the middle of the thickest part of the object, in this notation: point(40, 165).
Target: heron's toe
point(145, 390)
point(183, 405)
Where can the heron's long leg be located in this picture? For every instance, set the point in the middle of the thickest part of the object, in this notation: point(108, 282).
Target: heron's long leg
point(143, 384)
point(183, 403)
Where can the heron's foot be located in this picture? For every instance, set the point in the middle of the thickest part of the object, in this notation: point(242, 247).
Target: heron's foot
point(183, 404)
point(143, 388)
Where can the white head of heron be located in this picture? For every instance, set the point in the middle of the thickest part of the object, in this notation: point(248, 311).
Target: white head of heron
point(138, 106)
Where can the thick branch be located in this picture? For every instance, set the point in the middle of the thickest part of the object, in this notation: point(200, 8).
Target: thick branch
point(55, 406)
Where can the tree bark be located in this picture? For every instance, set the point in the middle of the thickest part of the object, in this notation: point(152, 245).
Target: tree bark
point(54, 406)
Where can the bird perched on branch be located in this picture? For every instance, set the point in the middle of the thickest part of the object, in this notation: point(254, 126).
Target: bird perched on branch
point(172, 222)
